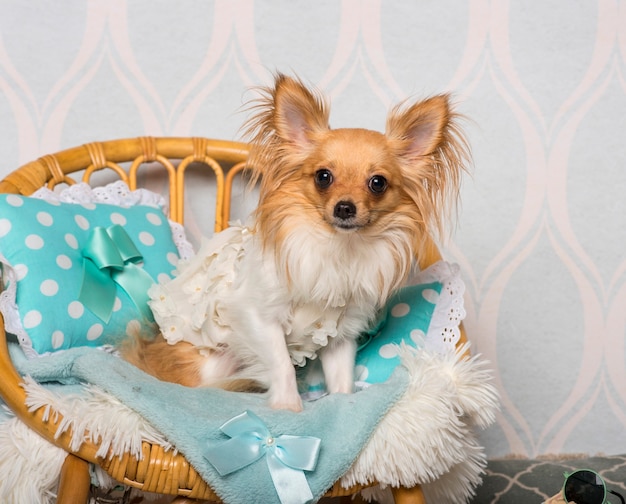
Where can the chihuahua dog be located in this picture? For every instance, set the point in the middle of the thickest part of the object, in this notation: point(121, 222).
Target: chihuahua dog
point(342, 216)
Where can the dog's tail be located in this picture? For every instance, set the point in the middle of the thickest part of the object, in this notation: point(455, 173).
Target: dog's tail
point(186, 364)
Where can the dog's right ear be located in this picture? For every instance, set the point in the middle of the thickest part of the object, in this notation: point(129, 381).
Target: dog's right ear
point(298, 112)
point(287, 117)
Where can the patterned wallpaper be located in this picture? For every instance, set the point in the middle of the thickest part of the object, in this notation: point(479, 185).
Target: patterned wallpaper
point(541, 232)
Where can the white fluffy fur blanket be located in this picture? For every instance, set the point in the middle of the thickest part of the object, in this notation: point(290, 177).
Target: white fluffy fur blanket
point(428, 436)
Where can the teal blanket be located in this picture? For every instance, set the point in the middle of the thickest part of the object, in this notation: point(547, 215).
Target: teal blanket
point(191, 420)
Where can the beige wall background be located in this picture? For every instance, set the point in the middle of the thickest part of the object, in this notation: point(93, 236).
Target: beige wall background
point(541, 234)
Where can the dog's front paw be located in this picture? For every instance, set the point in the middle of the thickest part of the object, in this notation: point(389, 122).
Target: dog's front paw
point(286, 403)
point(283, 392)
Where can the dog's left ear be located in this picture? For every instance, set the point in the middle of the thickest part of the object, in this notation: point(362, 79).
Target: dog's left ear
point(432, 152)
point(420, 129)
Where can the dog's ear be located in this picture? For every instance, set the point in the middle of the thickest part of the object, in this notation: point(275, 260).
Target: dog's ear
point(298, 112)
point(432, 153)
point(420, 129)
point(283, 129)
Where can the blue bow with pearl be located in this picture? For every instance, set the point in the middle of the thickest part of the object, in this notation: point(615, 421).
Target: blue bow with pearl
point(286, 456)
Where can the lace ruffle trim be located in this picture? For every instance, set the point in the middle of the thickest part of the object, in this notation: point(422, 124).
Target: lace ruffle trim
point(443, 332)
point(118, 193)
point(8, 307)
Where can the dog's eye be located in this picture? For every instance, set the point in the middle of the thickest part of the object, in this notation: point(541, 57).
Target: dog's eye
point(323, 178)
point(377, 184)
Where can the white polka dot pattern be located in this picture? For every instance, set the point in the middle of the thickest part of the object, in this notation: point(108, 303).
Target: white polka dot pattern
point(409, 313)
point(406, 319)
point(42, 242)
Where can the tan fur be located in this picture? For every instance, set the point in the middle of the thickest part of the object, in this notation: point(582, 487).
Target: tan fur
point(430, 170)
point(179, 363)
point(421, 155)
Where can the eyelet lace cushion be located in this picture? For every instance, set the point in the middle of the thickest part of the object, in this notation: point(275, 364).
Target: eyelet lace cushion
point(118, 193)
point(443, 332)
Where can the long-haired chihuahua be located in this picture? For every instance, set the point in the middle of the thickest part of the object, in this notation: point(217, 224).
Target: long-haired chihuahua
point(342, 216)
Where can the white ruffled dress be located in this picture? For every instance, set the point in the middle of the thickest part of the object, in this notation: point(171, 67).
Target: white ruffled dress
point(187, 308)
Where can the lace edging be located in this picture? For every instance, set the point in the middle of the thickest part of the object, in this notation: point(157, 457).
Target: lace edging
point(118, 193)
point(9, 309)
point(443, 331)
point(115, 193)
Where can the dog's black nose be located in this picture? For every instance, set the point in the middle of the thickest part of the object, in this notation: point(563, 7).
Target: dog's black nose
point(345, 210)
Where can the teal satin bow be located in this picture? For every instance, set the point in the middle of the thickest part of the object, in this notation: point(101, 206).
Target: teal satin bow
point(109, 258)
point(287, 456)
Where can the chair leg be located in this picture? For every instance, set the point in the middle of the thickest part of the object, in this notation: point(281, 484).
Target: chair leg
point(74, 481)
point(413, 495)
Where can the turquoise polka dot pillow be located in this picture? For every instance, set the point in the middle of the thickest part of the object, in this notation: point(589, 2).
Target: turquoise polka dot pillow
point(42, 245)
point(406, 320)
point(424, 315)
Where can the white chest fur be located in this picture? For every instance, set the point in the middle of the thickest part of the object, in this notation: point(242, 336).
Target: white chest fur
point(327, 285)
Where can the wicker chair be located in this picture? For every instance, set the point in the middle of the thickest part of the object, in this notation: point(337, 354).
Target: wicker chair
point(158, 471)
